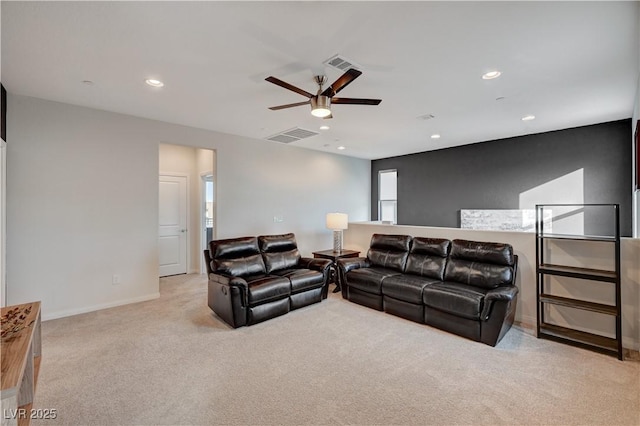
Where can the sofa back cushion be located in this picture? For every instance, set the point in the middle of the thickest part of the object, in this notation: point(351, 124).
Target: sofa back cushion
point(279, 251)
point(481, 264)
point(389, 251)
point(428, 257)
point(236, 257)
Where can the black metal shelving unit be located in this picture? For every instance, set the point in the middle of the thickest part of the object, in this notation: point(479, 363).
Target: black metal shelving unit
point(595, 342)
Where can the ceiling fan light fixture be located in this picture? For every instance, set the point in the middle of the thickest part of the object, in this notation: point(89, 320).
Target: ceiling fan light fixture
point(320, 106)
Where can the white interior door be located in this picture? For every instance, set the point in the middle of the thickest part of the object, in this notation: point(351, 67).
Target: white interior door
point(172, 237)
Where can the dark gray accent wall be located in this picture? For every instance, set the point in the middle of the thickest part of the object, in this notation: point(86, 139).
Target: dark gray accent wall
point(434, 186)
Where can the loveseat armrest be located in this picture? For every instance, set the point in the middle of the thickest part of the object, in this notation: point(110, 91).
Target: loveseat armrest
point(238, 282)
point(504, 294)
point(321, 265)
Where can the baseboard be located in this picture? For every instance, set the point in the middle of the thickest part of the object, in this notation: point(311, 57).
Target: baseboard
point(84, 310)
point(631, 346)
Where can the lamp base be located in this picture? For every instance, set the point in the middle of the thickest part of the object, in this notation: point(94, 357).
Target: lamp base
point(337, 241)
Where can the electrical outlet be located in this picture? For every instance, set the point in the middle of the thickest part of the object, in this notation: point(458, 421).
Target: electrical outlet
point(116, 279)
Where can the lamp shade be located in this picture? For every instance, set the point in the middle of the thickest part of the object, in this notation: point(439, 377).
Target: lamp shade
point(337, 221)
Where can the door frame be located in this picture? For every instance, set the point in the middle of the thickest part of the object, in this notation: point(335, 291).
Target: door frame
point(188, 219)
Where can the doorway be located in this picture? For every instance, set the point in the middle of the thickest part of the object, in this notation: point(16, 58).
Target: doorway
point(208, 209)
point(198, 167)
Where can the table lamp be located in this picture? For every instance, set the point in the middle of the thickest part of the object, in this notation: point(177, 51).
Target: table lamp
point(337, 222)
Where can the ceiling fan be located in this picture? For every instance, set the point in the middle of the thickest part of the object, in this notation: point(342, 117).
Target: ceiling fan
point(322, 100)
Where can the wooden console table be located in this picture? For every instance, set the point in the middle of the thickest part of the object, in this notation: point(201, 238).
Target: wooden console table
point(20, 361)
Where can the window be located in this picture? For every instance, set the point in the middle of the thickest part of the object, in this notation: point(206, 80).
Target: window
point(387, 195)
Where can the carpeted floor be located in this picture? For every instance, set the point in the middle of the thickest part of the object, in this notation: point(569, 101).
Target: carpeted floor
point(171, 361)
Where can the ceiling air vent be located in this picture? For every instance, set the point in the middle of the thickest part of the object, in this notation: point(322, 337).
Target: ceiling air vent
point(426, 117)
point(341, 63)
point(291, 135)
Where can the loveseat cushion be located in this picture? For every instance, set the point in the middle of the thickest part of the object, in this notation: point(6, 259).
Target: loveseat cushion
point(481, 264)
point(406, 287)
point(236, 257)
point(239, 267)
point(302, 279)
point(233, 248)
point(389, 251)
point(276, 243)
point(281, 260)
point(369, 279)
point(454, 298)
point(279, 251)
point(266, 288)
point(428, 257)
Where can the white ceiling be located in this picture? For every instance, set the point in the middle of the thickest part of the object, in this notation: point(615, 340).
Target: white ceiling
point(568, 63)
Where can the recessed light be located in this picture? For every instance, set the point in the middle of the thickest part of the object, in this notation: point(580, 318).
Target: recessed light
point(341, 148)
point(435, 136)
point(491, 75)
point(528, 118)
point(153, 82)
point(324, 127)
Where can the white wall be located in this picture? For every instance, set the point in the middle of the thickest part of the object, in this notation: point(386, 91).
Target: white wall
point(358, 236)
point(82, 200)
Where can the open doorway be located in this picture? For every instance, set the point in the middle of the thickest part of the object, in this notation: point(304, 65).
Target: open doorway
point(207, 209)
point(197, 167)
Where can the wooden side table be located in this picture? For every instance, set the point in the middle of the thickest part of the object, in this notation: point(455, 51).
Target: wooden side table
point(21, 352)
point(334, 256)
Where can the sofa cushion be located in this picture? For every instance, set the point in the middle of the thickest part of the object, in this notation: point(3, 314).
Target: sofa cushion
point(458, 299)
point(481, 264)
point(428, 257)
point(406, 287)
point(281, 260)
point(302, 279)
point(369, 279)
point(239, 267)
point(266, 288)
point(480, 251)
point(478, 274)
point(389, 251)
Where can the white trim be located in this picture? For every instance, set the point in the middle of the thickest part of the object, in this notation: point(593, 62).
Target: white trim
point(84, 310)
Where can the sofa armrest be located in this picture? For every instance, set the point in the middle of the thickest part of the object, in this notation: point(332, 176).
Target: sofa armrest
point(320, 265)
point(501, 294)
point(352, 263)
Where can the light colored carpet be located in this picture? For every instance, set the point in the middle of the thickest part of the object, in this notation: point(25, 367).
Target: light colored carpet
point(171, 361)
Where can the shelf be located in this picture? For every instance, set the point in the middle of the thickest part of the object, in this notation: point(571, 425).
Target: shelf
point(599, 343)
point(575, 272)
point(603, 344)
point(578, 237)
point(579, 304)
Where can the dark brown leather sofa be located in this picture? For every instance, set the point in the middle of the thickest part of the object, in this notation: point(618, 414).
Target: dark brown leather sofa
point(253, 279)
point(464, 287)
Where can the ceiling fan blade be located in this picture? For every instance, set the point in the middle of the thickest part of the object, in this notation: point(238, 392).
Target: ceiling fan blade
point(355, 101)
point(286, 85)
point(275, 108)
point(342, 82)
